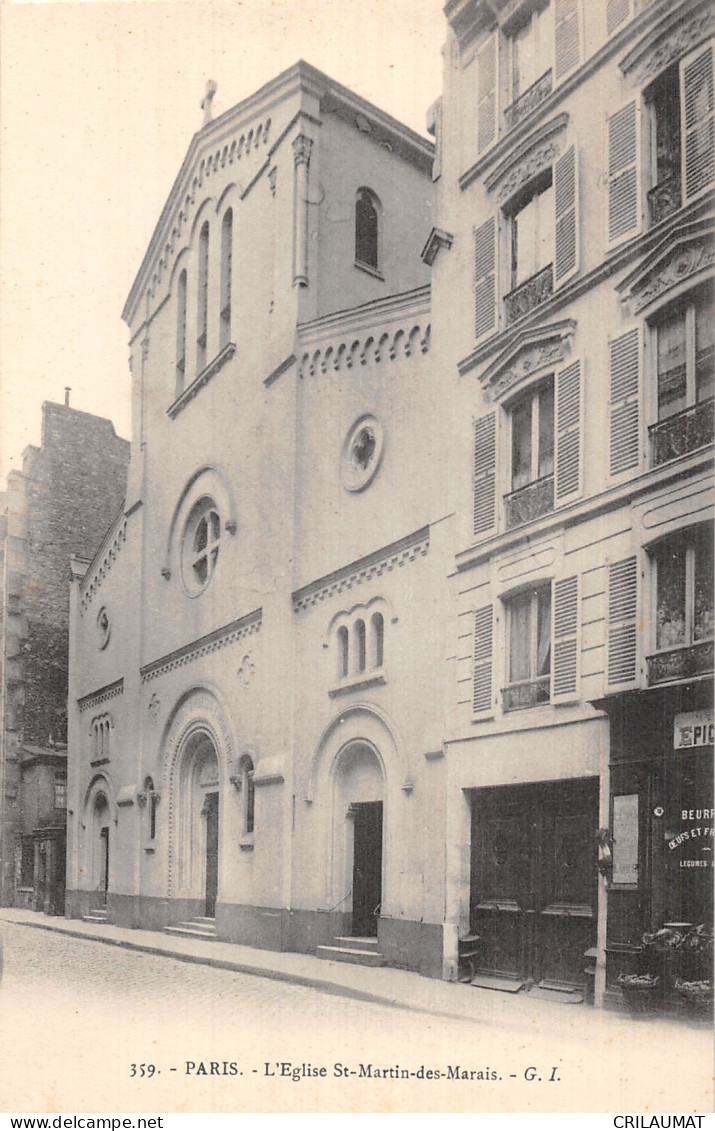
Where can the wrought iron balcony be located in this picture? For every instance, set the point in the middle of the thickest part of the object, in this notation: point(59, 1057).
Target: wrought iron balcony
point(664, 199)
point(529, 502)
point(683, 433)
point(529, 294)
point(529, 693)
point(681, 663)
point(529, 100)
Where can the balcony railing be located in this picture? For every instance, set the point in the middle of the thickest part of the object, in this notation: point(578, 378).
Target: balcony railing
point(529, 693)
point(681, 663)
point(683, 433)
point(529, 100)
point(664, 199)
point(529, 294)
point(529, 502)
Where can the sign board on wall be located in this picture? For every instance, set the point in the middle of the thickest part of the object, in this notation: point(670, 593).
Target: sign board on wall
point(692, 729)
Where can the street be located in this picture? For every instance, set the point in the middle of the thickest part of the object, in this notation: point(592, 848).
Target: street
point(88, 1027)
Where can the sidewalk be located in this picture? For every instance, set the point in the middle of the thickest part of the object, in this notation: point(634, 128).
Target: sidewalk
point(383, 985)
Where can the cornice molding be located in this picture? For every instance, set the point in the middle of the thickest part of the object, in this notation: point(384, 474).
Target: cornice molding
point(392, 557)
point(215, 641)
point(202, 379)
point(413, 304)
point(667, 42)
point(102, 695)
point(103, 562)
point(531, 351)
point(371, 350)
point(436, 240)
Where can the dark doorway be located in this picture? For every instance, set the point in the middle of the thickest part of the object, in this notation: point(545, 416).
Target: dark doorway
point(367, 867)
point(211, 811)
point(104, 862)
point(534, 880)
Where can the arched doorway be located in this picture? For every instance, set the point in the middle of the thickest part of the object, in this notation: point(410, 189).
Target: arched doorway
point(359, 819)
point(100, 850)
point(199, 821)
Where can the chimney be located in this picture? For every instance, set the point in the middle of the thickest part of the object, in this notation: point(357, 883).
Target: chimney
point(207, 100)
point(68, 390)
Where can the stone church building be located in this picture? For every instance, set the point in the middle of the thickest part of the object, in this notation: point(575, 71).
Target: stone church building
point(401, 649)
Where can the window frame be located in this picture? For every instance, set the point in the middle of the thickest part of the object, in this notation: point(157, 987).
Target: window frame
point(368, 195)
point(536, 591)
point(685, 537)
point(202, 509)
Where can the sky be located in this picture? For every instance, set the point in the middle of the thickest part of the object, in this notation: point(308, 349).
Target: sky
point(98, 104)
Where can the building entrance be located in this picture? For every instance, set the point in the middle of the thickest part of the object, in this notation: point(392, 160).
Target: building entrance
point(534, 880)
point(367, 867)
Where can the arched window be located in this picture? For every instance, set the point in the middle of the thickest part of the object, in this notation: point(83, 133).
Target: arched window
point(366, 229)
point(378, 636)
point(152, 800)
point(359, 636)
point(342, 651)
point(248, 790)
point(180, 333)
point(226, 255)
point(203, 309)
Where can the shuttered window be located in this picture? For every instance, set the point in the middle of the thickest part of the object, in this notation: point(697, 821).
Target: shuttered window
point(483, 638)
point(617, 12)
point(485, 277)
point(484, 473)
point(624, 407)
point(566, 216)
point(487, 86)
point(622, 609)
point(697, 124)
point(564, 682)
point(568, 432)
point(567, 37)
point(623, 174)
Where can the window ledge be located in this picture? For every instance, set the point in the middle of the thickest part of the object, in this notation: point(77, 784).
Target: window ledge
point(370, 270)
point(150, 849)
point(202, 379)
point(246, 842)
point(369, 679)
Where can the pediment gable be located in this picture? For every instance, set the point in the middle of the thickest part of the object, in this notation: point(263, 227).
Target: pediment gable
point(532, 351)
point(683, 256)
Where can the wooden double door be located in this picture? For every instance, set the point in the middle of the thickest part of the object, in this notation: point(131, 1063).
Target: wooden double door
point(534, 880)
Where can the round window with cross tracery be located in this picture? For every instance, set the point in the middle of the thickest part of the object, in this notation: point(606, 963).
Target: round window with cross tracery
point(201, 542)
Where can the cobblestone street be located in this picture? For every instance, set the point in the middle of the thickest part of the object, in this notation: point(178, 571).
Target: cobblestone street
point(75, 1016)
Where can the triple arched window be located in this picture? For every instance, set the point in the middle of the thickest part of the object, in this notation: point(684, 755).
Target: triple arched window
point(202, 300)
point(360, 641)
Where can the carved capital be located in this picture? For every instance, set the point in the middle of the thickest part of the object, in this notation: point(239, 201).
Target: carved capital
point(302, 146)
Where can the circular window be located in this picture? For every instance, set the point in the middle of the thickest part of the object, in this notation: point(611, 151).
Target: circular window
point(202, 535)
point(362, 452)
point(103, 628)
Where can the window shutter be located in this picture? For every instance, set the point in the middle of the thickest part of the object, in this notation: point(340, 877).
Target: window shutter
point(623, 178)
point(617, 12)
point(567, 37)
point(566, 217)
point(697, 125)
point(485, 437)
point(485, 277)
point(487, 85)
point(622, 608)
point(564, 682)
point(568, 432)
point(624, 408)
point(483, 634)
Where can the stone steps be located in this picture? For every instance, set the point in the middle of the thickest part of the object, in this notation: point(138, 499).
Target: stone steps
point(358, 951)
point(199, 928)
point(99, 915)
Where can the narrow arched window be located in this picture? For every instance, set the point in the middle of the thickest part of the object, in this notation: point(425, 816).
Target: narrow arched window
point(249, 795)
point(203, 296)
point(366, 229)
point(359, 634)
point(180, 333)
point(226, 254)
point(152, 802)
point(342, 651)
point(378, 638)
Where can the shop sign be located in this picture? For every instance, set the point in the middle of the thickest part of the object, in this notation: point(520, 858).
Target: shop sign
point(693, 728)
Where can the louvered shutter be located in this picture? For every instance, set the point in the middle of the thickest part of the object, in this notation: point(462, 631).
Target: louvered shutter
point(568, 433)
point(617, 12)
point(485, 277)
point(622, 610)
point(485, 436)
point(483, 637)
point(487, 86)
point(567, 37)
point(697, 125)
point(566, 217)
point(564, 679)
point(624, 406)
point(623, 174)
